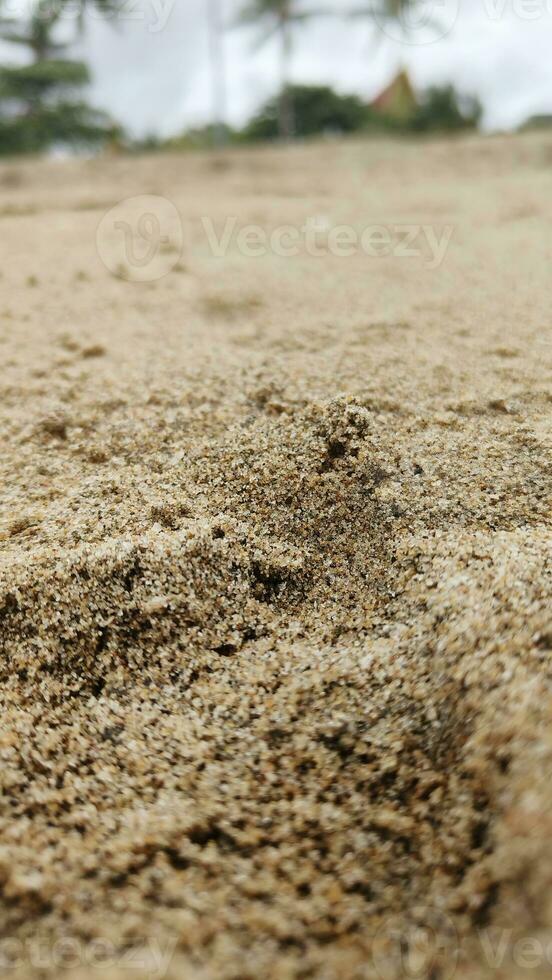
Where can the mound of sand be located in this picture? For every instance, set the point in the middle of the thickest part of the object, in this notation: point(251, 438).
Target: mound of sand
point(276, 580)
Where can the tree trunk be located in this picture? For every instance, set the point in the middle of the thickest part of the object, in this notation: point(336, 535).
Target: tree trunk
point(218, 74)
point(286, 108)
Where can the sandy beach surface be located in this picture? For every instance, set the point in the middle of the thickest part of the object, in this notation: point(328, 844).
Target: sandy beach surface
point(276, 564)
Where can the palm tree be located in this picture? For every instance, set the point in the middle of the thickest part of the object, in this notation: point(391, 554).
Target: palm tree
point(218, 73)
point(36, 36)
point(44, 17)
point(279, 17)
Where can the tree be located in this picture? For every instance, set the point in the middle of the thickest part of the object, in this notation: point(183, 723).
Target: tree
point(37, 36)
point(39, 106)
point(218, 74)
point(321, 110)
point(443, 110)
point(317, 109)
point(45, 15)
point(279, 17)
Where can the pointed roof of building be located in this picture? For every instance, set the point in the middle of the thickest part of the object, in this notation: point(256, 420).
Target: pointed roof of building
point(398, 99)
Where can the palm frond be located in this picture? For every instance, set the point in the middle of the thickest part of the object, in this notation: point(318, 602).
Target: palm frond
point(255, 11)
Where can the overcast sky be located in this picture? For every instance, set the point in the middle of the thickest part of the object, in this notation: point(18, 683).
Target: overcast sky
point(151, 67)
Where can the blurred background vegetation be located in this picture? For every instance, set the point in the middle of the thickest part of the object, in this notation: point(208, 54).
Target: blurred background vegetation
point(320, 111)
point(41, 102)
point(43, 105)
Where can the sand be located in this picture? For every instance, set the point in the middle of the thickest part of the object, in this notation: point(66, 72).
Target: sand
point(276, 571)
